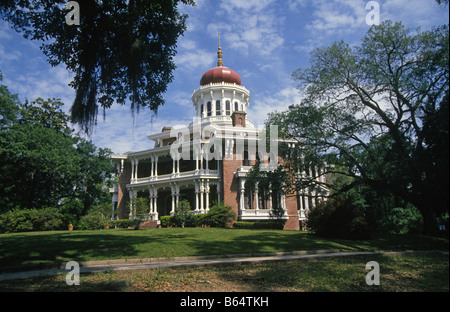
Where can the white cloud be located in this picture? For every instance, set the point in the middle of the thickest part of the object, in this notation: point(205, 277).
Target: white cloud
point(251, 27)
point(337, 16)
point(190, 57)
point(263, 104)
point(413, 12)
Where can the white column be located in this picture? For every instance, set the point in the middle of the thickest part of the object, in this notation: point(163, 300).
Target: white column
point(131, 196)
point(150, 197)
point(153, 165)
point(242, 197)
point(202, 191)
point(201, 159)
point(256, 196)
point(270, 197)
point(136, 171)
point(132, 170)
point(218, 191)
point(300, 198)
point(155, 203)
point(196, 161)
point(172, 186)
point(156, 165)
point(177, 194)
point(207, 196)
point(197, 191)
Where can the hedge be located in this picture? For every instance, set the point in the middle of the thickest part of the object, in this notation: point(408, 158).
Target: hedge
point(258, 225)
point(125, 223)
point(26, 220)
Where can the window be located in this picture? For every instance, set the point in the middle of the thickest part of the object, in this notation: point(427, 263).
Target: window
point(217, 108)
point(228, 108)
point(201, 111)
point(236, 106)
point(208, 108)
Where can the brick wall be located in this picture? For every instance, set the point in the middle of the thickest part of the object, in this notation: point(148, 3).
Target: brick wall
point(231, 183)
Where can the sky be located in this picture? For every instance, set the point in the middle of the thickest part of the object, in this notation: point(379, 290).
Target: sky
point(264, 41)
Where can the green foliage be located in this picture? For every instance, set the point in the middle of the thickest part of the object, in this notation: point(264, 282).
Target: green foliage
point(183, 212)
point(167, 221)
point(243, 225)
point(338, 218)
point(220, 215)
point(378, 113)
point(94, 221)
point(125, 223)
point(402, 221)
point(43, 163)
point(121, 51)
point(140, 206)
point(9, 106)
point(274, 225)
point(26, 220)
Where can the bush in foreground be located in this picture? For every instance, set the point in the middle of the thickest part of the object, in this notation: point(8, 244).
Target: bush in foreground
point(26, 220)
point(338, 218)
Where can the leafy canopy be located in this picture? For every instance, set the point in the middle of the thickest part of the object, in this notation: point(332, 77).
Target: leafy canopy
point(367, 110)
point(121, 51)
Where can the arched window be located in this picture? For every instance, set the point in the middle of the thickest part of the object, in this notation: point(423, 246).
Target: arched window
point(228, 108)
point(208, 108)
point(201, 111)
point(217, 108)
point(236, 106)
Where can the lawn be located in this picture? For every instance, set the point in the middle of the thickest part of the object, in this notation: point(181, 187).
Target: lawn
point(404, 272)
point(22, 249)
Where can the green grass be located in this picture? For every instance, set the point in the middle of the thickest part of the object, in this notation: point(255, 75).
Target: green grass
point(21, 249)
point(404, 272)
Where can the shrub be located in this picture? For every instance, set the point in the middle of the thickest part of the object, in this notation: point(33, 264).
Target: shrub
point(220, 215)
point(399, 220)
point(243, 225)
point(95, 221)
point(125, 223)
point(183, 212)
point(166, 221)
point(338, 218)
point(25, 220)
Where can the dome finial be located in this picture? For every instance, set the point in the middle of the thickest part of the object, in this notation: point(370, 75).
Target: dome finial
point(219, 55)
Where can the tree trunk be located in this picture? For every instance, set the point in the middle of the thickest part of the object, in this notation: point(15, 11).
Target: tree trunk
point(430, 226)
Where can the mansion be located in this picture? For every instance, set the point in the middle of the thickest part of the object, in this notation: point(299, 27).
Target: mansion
point(208, 161)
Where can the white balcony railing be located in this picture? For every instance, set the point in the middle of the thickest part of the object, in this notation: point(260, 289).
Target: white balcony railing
point(257, 214)
point(178, 175)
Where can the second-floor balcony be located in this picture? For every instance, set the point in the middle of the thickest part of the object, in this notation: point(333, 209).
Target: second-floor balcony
point(177, 176)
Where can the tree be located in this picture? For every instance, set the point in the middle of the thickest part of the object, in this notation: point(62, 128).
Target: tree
point(365, 106)
point(37, 165)
point(42, 162)
point(121, 50)
point(183, 212)
point(9, 106)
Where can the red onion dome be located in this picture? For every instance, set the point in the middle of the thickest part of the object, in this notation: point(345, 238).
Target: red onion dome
point(220, 74)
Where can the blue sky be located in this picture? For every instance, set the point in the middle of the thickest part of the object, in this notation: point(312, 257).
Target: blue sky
point(263, 40)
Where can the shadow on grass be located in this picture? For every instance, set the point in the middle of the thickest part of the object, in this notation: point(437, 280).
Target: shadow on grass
point(59, 247)
point(43, 248)
point(408, 273)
